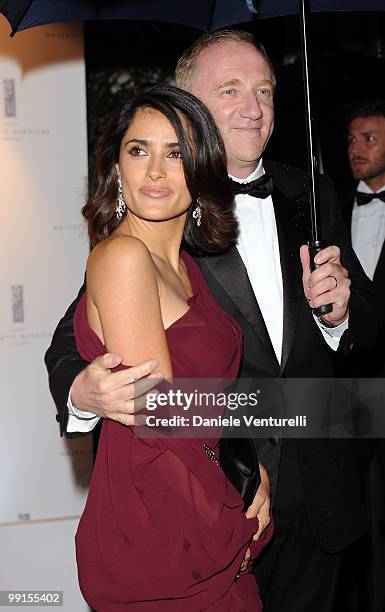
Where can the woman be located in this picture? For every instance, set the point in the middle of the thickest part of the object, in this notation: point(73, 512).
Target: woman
point(163, 529)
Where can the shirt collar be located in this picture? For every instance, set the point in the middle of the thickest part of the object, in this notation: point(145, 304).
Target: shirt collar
point(364, 188)
point(259, 171)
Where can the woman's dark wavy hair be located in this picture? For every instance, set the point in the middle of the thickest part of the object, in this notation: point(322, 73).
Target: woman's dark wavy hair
point(204, 164)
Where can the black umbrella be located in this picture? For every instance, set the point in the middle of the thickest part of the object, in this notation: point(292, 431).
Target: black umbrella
point(207, 15)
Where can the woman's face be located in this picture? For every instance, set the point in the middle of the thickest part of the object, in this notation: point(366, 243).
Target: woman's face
point(151, 170)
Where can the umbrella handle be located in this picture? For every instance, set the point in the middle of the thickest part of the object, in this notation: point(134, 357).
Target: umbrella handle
point(315, 247)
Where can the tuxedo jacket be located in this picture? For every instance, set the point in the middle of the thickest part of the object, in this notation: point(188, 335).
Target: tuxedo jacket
point(372, 362)
point(330, 486)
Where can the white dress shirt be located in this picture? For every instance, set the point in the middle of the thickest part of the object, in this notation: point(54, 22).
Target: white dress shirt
point(259, 248)
point(368, 230)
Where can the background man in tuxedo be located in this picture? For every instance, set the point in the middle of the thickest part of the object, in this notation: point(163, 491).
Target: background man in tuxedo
point(363, 205)
point(262, 284)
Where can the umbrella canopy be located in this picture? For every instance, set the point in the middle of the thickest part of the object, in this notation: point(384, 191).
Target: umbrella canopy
point(206, 15)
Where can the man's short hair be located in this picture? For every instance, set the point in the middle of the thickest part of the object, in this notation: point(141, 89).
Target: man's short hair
point(187, 63)
point(364, 108)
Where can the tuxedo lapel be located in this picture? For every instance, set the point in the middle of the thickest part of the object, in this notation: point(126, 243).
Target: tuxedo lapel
point(348, 219)
point(229, 270)
point(347, 202)
point(379, 274)
point(290, 220)
point(346, 199)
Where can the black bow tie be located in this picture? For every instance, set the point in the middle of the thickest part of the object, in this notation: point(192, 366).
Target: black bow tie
point(365, 198)
point(262, 187)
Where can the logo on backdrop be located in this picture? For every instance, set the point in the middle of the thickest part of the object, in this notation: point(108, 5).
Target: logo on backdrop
point(9, 97)
point(17, 303)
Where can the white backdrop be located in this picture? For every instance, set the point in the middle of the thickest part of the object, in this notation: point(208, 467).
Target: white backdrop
point(43, 247)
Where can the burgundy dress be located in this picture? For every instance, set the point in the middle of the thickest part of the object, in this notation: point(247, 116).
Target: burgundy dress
point(163, 528)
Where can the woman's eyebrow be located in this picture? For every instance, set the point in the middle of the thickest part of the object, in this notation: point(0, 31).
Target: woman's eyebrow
point(167, 145)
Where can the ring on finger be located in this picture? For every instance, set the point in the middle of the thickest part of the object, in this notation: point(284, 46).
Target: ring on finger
point(336, 281)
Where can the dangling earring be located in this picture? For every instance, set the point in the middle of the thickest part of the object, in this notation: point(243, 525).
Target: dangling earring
point(121, 206)
point(197, 212)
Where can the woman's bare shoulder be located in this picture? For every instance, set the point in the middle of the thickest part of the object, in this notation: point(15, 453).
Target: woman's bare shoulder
point(120, 253)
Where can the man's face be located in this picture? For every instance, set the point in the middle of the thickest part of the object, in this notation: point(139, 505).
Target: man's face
point(366, 150)
point(235, 83)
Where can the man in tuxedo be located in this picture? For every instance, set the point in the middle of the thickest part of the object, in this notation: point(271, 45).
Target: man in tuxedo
point(265, 284)
point(363, 206)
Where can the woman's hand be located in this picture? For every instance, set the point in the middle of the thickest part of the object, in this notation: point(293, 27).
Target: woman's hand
point(260, 507)
point(246, 559)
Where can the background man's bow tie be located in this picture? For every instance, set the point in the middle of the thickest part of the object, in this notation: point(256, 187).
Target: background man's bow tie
point(365, 198)
point(262, 187)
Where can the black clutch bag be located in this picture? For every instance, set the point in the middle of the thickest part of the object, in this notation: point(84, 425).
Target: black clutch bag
point(239, 461)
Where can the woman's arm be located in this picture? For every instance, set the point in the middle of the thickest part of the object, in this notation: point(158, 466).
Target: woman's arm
point(123, 305)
